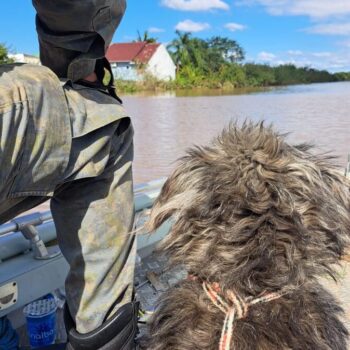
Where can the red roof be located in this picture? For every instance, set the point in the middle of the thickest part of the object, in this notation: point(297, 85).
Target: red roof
point(140, 52)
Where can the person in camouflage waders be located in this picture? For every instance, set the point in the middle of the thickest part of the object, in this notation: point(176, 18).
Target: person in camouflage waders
point(65, 136)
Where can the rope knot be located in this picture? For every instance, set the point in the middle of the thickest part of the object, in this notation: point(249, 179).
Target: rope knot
point(235, 308)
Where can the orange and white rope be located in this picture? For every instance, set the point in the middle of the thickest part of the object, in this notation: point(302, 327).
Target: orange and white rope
point(237, 309)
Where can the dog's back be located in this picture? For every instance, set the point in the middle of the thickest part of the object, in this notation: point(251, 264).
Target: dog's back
point(256, 222)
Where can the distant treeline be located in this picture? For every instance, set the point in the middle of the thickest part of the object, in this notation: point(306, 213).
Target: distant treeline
point(342, 76)
point(255, 75)
point(217, 62)
point(288, 74)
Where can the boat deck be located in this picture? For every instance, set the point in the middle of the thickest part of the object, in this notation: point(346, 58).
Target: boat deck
point(152, 278)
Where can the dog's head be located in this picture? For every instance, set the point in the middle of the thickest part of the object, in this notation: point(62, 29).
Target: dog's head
point(253, 212)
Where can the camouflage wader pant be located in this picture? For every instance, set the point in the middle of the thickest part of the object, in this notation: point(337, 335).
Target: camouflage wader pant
point(72, 144)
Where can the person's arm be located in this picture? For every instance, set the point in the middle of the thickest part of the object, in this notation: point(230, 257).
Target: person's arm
point(73, 34)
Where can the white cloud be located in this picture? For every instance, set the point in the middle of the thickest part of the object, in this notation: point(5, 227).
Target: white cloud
point(233, 27)
point(127, 38)
point(321, 54)
point(155, 30)
point(310, 8)
point(330, 29)
point(190, 26)
point(345, 43)
point(266, 56)
point(294, 52)
point(196, 5)
point(282, 62)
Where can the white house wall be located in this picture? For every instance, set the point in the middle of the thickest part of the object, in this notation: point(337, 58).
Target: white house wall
point(125, 71)
point(161, 65)
point(23, 58)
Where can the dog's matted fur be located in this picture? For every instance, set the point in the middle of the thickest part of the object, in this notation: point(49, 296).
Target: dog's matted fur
point(254, 215)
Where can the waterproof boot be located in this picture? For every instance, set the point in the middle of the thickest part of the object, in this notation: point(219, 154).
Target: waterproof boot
point(117, 333)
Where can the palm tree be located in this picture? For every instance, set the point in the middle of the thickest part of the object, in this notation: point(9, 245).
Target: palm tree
point(180, 48)
point(146, 37)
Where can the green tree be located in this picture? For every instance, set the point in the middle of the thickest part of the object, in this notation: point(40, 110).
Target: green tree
point(4, 55)
point(232, 73)
point(197, 53)
point(206, 55)
point(227, 48)
point(260, 74)
point(217, 62)
point(145, 37)
point(342, 76)
point(288, 74)
point(180, 49)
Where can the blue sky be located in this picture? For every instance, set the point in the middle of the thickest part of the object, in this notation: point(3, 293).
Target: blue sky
point(304, 32)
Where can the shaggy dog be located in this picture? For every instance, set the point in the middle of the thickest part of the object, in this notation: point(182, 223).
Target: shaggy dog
point(255, 222)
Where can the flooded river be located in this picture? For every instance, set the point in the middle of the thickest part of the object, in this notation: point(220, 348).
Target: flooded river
point(167, 124)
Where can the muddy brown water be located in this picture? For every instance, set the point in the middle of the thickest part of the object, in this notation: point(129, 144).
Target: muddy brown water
point(168, 123)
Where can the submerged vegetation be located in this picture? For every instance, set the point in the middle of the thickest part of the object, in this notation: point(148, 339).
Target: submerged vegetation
point(218, 63)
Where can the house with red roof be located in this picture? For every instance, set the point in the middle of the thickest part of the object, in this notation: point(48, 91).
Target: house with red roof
point(130, 61)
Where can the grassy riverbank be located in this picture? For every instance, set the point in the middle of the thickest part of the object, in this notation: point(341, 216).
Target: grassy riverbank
point(217, 63)
point(233, 76)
